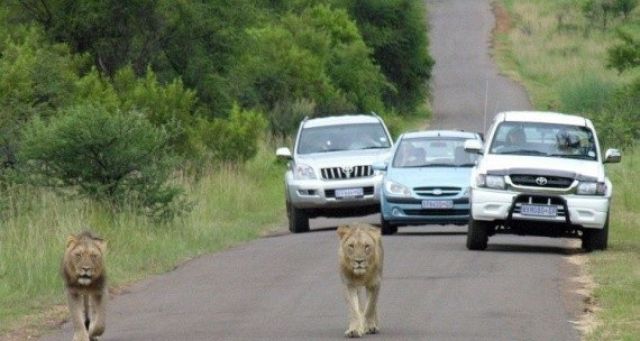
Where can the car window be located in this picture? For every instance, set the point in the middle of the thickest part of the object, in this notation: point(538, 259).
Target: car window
point(544, 139)
point(343, 137)
point(432, 152)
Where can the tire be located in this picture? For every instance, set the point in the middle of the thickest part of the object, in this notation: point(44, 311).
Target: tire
point(596, 239)
point(386, 227)
point(478, 234)
point(298, 219)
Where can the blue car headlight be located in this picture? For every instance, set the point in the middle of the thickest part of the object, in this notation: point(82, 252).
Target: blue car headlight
point(395, 189)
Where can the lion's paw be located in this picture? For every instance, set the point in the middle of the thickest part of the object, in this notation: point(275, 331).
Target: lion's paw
point(352, 332)
point(371, 329)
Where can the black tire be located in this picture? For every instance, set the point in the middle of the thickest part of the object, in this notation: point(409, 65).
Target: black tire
point(478, 234)
point(298, 219)
point(386, 228)
point(596, 239)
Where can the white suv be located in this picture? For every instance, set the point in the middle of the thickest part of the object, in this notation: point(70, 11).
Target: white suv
point(330, 171)
point(540, 174)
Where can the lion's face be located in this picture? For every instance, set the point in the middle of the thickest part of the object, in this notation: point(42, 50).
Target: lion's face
point(83, 259)
point(359, 246)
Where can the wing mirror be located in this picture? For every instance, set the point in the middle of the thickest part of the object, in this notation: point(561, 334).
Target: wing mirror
point(379, 166)
point(612, 156)
point(283, 153)
point(473, 146)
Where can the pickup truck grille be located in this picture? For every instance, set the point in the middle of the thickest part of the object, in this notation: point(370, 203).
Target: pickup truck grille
point(339, 173)
point(541, 181)
point(437, 191)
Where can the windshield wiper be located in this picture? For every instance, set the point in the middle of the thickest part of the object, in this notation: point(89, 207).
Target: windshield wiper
point(372, 147)
point(523, 152)
point(573, 156)
point(430, 165)
point(470, 164)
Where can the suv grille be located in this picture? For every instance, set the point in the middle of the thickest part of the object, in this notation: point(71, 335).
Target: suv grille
point(437, 191)
point(536, 181)
point(337, 173)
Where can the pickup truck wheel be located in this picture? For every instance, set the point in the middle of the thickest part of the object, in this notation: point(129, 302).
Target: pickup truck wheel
point(387, 228)
point(596, 239)
point(298, 219)
point(478, 234)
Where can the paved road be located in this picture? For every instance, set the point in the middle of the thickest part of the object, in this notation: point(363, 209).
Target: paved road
point(286, 287)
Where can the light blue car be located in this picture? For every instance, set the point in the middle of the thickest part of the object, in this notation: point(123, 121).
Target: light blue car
point(426, 180)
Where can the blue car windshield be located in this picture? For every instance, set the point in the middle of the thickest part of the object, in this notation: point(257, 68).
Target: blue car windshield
point(343, 137)
point(433, 152)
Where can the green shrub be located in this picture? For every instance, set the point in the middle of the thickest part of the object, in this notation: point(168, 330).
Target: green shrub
point(119, 158)
point(234, 139)
point(285, 116)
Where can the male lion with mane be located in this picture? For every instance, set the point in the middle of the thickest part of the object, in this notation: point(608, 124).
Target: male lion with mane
point(360, 254)
point(85, 283)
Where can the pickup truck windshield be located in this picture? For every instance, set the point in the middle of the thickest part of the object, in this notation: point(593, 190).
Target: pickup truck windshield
point(544, 139)
point(343, 137)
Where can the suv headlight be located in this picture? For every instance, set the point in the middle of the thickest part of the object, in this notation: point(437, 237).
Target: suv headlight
point(490, 181)
point(395, 189)
point(592, 188)
point(303, 172)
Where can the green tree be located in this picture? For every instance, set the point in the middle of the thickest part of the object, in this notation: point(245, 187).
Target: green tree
point(115, 157)
point(35, 78)
point(626, 54)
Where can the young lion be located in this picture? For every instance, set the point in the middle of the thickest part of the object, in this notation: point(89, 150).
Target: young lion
point(360, 254)
point(85, 282)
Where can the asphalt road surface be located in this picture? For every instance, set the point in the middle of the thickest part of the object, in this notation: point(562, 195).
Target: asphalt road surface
point(286, 287)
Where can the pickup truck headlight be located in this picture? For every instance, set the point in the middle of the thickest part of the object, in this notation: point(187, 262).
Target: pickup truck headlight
point(395, 189)
point(303, 172)
point(592, 188)
point(490, 181)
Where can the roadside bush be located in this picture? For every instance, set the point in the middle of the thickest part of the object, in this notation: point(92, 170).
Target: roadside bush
point(119, 158)
point(234, 139)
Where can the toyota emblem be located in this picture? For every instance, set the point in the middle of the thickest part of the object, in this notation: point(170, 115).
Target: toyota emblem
point(347, 171)
point(541, 180)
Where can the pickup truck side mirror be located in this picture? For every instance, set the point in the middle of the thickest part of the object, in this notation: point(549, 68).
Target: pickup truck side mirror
point(473, 146)
point(284, 153)
point(612, 156)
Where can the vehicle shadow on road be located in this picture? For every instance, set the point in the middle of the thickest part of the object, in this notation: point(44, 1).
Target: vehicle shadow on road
point(565, 251)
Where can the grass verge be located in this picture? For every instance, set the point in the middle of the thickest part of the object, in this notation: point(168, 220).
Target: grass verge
point(231, 205)
point(560, 57)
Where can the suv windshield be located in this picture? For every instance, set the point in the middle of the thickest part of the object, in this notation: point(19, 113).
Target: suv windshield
point(342, 137)
point(544, 139)
point(433, 152)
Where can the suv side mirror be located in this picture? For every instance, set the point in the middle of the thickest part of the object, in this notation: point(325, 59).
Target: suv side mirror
point(283, 153)
point(473, 146)
point(379, 166)
point(612, 156)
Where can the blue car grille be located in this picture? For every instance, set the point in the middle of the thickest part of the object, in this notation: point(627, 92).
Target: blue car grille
point(436, 191)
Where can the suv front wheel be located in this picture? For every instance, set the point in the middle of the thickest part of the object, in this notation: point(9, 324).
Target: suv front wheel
point(298, 219)
point(478, 234)
point(596, 239)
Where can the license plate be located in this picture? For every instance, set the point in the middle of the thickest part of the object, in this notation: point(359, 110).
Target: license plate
point(437, 204)
point(349, 192)
point(539, 210)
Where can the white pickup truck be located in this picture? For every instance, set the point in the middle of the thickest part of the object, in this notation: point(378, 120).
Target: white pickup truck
point(540, 174)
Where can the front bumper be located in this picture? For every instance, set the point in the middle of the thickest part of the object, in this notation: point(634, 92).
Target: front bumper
point(409, 211)
point(321, 194)
point(496, 205)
